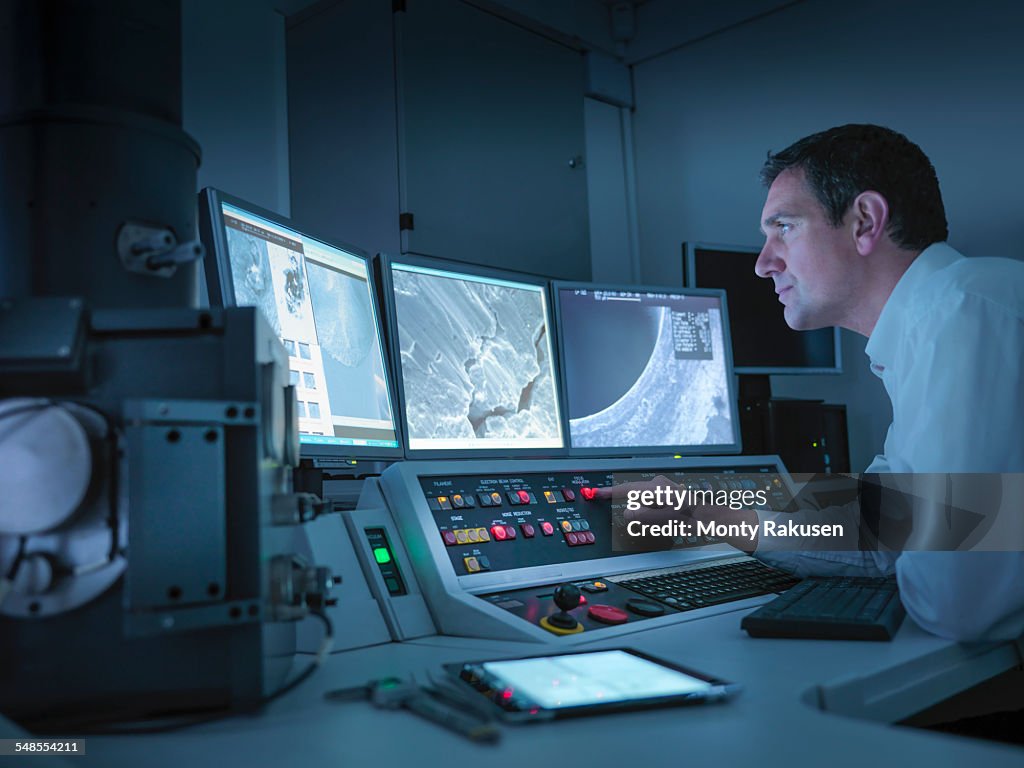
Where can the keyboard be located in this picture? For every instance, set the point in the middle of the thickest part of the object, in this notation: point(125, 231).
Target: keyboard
point(834, 608)
point(695, 586)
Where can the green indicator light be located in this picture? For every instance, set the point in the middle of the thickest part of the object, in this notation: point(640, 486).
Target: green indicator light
point(814, 444)
point(381, 555)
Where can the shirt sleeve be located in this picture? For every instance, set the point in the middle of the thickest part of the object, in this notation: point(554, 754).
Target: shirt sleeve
point(830, 562)
point(824, 556)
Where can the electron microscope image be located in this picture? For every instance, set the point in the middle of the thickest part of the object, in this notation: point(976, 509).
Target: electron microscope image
point(475, 359)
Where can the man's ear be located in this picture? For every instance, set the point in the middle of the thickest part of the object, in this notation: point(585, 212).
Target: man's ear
point(870, 219)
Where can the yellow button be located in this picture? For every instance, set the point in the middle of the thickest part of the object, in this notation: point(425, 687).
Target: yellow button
point(472, 564)
point(484, 535)
point(600, 584)
point(461, 536)
point(550, 497)
point(473, 534)
point(566, 526)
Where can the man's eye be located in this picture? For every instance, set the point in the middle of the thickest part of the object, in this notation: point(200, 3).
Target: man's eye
point(783, 227)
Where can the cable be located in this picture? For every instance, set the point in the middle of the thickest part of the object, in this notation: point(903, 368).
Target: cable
point(113, 438)
point(187, 721)
point(321, 655)
point(36, 406)
point(13, 570)
point(321, 507)
point(7, 581)
point(88, 727)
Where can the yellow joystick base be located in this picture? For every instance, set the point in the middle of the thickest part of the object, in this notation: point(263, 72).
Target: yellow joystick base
point(556, 630)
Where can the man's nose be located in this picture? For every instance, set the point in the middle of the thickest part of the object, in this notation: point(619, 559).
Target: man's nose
point(768, 263)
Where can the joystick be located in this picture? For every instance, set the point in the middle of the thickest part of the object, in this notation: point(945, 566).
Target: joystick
point(566, 597)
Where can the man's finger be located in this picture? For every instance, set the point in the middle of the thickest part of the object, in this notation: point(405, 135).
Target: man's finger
point(621, 491)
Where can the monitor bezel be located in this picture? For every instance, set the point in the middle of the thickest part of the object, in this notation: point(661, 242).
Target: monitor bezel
point(690, 279)
point(220, 288)
point(724, 449)
point(384, 262)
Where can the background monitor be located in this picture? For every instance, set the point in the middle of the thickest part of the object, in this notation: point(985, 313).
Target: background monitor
point(319, 299)
point(646, 370)
point(762, 343)
point(474, 358)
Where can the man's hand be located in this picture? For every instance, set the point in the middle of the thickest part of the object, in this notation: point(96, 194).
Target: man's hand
point(655, 514)
point(652, 514)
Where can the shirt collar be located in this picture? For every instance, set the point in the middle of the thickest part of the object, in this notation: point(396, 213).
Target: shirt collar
point(881, 346)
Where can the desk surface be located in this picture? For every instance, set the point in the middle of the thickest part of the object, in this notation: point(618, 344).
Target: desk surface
point(777, 719)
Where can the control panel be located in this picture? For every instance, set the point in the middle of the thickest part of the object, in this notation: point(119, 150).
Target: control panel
point(503, 522)
point(523, 549)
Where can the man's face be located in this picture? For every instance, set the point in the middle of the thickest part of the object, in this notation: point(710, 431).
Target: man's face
point(809, 261)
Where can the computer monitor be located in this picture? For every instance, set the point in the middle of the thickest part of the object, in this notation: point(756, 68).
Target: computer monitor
point(646, 370)
point(762, 343)
point(474, 359)
point(318, 297)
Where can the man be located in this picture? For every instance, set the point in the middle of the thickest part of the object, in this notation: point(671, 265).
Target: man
point(855, 232)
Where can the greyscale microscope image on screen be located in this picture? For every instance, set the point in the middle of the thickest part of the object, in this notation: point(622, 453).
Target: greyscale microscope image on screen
point(645, 369)
point(317, 299)
point(476, 361)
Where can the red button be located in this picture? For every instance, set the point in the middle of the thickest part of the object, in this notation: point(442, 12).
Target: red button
point(498, 532)
point(528, 530)
point(607, 614)
point(583, 599)
point(569, 494)
point(547, 529)
point(510, 531)
point(524, 497)
point(449, 538)
point(572, 538)
point(588, 493)
point(589, 536)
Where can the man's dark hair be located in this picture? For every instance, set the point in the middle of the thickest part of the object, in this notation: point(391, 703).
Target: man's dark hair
point(842, 162)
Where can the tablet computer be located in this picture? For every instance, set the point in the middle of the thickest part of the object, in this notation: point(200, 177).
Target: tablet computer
point(586, 682)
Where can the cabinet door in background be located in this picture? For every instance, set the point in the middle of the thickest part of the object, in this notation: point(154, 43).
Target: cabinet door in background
point(490, 141)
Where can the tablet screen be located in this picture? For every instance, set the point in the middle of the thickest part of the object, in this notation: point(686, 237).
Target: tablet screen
point(585, 679)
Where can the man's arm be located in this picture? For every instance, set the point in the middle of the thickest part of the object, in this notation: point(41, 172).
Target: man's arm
point(826, 557)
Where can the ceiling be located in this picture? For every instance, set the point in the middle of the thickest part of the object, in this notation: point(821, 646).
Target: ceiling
point(633, 31)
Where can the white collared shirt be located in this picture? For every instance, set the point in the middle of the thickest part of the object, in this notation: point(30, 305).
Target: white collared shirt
point(949, 348)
